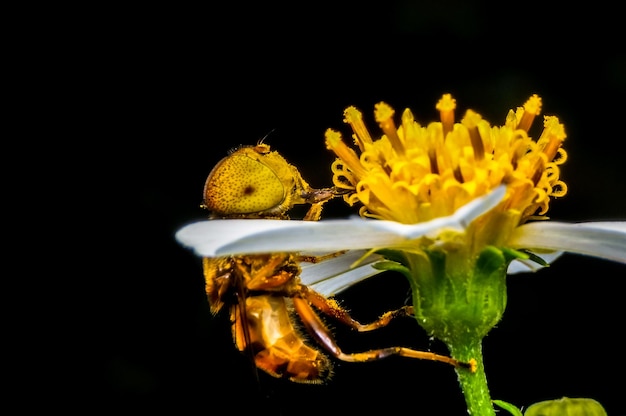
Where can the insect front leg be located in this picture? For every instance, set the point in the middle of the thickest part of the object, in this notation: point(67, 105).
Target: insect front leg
point(323, 336)
point(317, 198)
point(331, 308)
point(314, 213)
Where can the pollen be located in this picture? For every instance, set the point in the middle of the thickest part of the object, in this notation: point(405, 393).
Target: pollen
point(410, 173)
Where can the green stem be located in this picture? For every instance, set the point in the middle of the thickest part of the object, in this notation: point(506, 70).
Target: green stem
point(473, 385)
point(458, 297)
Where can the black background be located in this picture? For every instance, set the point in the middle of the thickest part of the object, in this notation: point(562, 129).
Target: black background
point(174, 89)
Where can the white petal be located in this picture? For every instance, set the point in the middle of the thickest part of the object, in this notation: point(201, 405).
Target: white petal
point(232, 237)
point(206, 237)
point(605, 240)
point(524, 266)
point(343, 281)
point(332, 276)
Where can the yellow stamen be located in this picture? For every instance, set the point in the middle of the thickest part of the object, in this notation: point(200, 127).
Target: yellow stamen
point(415, 173)
point(532, 108)
point(336, 144)
point(552, 136)
point(354, 118)
point(446, 106)
point(383, 114)
point(471, 121)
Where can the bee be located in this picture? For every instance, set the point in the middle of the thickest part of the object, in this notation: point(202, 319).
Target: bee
point(264, 294)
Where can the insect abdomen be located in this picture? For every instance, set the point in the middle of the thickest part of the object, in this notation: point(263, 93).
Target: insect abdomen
point(277, 346)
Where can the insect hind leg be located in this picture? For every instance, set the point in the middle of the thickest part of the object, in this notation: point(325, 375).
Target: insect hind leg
point(320, 332)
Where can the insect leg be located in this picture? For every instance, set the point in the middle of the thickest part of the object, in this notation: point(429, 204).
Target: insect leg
point(331, 308)
point(320, 332)
point(317, 198)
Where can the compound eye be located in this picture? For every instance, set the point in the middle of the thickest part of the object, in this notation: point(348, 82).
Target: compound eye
point(240, 184)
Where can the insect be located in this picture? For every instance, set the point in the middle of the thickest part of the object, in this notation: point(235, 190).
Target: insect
point(266, 299)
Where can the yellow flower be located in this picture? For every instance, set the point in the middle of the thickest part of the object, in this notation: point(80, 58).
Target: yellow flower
point(454, 206)
point(469, 185)
point(415, 173)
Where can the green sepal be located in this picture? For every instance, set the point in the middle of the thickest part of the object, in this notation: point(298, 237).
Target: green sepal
point(392, 255)
point(392, 266)
point(535, 258)
point(454, 298)
point(490, 261)
point(508, 407)
point(512, 254)
point(394, 261)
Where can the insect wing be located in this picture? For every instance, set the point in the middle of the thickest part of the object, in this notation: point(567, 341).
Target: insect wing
point(241, 328)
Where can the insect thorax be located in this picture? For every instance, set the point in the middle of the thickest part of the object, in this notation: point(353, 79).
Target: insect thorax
point(229, 277)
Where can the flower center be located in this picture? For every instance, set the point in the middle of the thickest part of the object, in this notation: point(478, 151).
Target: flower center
point(416, 173)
